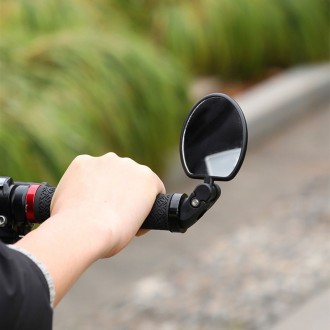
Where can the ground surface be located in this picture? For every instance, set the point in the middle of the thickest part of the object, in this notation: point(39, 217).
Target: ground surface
point(259, 253)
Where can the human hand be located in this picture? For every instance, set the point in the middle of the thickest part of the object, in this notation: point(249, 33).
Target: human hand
point(107, 198)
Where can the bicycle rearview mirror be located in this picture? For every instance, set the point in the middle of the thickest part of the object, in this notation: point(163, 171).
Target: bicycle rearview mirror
point(214, 139)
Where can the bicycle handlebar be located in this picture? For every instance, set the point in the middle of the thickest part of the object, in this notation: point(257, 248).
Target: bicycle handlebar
point(29, 203)
point(159, 217)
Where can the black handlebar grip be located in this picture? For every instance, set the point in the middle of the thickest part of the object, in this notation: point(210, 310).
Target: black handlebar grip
point(42, 201)
point(158, 217)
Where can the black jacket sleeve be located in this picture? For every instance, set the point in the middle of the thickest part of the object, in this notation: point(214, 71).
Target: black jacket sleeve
point(24, 293)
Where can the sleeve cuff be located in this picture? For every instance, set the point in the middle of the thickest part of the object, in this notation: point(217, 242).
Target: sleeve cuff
point(43, 269)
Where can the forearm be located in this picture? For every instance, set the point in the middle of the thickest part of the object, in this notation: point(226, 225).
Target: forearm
point(65, 251)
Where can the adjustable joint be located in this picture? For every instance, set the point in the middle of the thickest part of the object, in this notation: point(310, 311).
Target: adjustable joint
point(199, 201)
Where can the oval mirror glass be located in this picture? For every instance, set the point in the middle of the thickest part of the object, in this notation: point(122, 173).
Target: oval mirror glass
point(214, 139)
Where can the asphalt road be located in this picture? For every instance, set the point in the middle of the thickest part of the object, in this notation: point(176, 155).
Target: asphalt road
point(245, 265)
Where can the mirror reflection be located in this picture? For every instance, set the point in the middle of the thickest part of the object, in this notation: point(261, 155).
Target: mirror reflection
point(214, 138)
point(222, 163)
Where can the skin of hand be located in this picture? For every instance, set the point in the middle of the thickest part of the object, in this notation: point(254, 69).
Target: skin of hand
point(98, 207)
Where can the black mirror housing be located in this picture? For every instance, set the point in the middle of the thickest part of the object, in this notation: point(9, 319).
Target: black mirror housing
point(214, 139)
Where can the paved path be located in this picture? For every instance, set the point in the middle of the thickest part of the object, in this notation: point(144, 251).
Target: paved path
point(252, 260)
point(314, 314)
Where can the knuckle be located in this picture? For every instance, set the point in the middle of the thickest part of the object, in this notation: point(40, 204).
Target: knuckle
point(111, 155)
point(147, 170)
point(82, 159)
point(128, 160)
point(110, 158)
point(153, 177)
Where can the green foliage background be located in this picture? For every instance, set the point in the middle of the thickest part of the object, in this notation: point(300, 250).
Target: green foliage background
point(96, 76)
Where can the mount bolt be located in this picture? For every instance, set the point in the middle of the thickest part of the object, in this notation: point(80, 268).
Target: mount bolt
point(195, 202)
point(3, 221)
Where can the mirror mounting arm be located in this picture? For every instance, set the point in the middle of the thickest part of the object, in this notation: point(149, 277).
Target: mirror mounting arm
point(199, 201)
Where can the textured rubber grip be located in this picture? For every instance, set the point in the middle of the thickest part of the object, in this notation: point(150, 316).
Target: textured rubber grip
point(42, 201)
point(158, 217)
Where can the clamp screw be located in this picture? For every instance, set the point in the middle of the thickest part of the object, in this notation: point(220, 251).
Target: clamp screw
point(195, 202)
point(3, 221)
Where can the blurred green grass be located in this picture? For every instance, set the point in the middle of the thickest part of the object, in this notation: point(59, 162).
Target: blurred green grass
point(91, 77)
point(236, 39)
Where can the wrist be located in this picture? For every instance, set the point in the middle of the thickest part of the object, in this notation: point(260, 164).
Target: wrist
point(66, 248)
point(80, 233)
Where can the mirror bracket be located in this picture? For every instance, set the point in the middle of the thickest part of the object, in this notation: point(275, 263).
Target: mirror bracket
point(199, 201)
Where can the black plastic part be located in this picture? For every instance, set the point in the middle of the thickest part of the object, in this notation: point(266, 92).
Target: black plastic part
point(6, 184)
point(18, 197)
point(164, 213)
point(8, 236)
point(12, 208)
point(240, 113)
point(206, 194)
point(42, 201)
point(174, 213)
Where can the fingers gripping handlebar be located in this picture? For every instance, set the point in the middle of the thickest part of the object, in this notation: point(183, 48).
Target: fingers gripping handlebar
point(162, 215)
point(23, 204)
